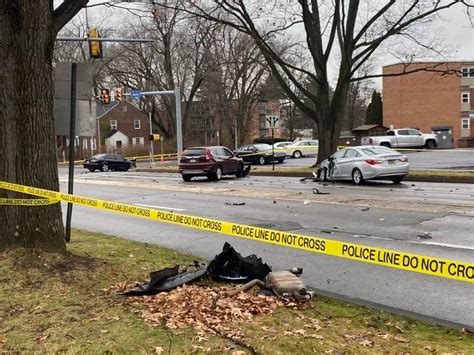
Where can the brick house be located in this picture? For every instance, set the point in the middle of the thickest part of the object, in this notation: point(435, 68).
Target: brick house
point(129, 129)
point(432, 101)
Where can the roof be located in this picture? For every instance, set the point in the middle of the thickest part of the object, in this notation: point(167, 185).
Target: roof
point(441, 62)
point(101, 109)
point(111, 133)
point(367, 127)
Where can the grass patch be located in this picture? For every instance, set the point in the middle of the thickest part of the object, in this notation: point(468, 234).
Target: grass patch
point(58, 303)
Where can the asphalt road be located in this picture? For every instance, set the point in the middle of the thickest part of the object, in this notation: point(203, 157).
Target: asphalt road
point(379, 214)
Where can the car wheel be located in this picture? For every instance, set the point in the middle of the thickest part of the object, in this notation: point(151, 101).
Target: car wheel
point(218, 174)
point(104, 167)
point(91, 170)
point(281, 160)
point(357, 177)
point(431, 144)
point(397, 179)
point(261, 160)
point(385, 145)
point(297, 154)
point(240, 171)
point(186, 178)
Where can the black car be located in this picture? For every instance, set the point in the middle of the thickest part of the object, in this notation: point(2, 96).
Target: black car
point(107, 162)
point(260, 153)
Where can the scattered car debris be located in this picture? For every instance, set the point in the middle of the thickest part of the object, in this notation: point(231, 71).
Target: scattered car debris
point(425, 235)
point(168, 279)
point(284, 284)
point(336, 227)
point(235, 203)
point(317, 192)
point(229, 265)
point(365, 209)
point(306, 202)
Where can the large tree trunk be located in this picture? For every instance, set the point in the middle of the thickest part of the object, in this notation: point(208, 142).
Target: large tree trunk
point(329, 120)
point(27, 145)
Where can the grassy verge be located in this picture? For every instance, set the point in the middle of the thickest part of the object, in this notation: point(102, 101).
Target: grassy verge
point(52, 303)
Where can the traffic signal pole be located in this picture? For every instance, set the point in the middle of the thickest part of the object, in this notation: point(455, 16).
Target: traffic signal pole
point(152, 158)
point(72, 141)
point(179, 125)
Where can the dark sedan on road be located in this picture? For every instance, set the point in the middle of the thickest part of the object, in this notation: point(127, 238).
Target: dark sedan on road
point(260, 153)
point(213, 162)
point(107, 162)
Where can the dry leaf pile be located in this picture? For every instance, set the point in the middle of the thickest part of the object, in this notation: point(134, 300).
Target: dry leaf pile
point(191, 305)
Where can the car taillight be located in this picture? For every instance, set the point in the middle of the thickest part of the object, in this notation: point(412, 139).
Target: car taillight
point(405, 160)
point(373, 161)
point(208, 155)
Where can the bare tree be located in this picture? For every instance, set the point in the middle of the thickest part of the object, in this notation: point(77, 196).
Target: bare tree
point(27, 146)
point(353, 31)
point(174, 59)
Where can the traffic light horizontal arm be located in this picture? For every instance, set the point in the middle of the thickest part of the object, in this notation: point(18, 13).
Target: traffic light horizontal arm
point(98, 39)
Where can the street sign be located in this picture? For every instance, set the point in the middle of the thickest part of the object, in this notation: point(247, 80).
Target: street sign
point(135, 94)
point(272, 122)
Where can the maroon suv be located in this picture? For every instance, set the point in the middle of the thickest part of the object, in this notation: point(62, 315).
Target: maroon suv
point(213, 162)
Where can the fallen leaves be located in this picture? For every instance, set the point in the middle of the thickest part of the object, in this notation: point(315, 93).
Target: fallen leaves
point(192, 305)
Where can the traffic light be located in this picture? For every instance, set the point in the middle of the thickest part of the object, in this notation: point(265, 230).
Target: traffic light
point(118, 94)
point(154, 137)
point(95, 47)
point(105, 96)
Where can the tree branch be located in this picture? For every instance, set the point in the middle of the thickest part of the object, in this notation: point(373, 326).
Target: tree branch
point(66, 11)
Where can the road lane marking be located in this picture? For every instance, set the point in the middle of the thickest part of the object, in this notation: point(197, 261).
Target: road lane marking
point(160, 207)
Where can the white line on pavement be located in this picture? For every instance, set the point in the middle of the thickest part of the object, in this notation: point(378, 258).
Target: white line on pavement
point(160, 207)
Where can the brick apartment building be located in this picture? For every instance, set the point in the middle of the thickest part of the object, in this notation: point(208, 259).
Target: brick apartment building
point(432, 101)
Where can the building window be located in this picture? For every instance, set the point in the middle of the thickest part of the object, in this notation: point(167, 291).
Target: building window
point(138, 141)
point(84, 143)
point(93, 144)
point(466, 123)
point(118, 144)
point(465, 99)
point(136, 124)
point(76, 142)
point(113, 124)
point(67, 142)
point(467, 72)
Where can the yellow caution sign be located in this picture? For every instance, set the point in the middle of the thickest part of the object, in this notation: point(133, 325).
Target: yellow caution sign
point(390, 258)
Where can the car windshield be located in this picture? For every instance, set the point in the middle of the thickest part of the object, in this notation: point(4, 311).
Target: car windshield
point(377, 150)
point(195, 152)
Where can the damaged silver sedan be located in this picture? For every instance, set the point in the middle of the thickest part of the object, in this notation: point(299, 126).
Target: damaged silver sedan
point(364, 163)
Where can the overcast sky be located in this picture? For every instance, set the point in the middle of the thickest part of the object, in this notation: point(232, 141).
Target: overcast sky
point(454, 26)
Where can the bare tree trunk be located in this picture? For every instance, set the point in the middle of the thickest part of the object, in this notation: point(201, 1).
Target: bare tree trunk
point(27, 142)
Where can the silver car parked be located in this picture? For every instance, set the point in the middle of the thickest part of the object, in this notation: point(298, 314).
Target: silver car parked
point(364, 163)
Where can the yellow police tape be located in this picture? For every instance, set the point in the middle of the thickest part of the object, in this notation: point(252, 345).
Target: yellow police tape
point(27, 201)
point(385, 257)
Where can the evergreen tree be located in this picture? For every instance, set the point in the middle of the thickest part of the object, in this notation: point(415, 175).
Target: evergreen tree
point(374, 113)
